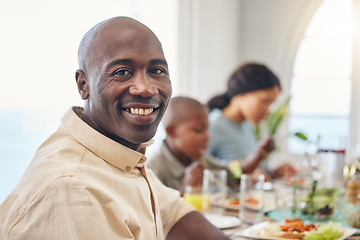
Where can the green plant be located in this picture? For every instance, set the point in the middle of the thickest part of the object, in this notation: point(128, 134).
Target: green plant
point(273, 120)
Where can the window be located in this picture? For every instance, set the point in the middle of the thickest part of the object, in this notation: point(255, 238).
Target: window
point(321, 83)
point(39, 59)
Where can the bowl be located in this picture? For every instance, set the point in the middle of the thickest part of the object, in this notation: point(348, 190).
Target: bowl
point(320, 205)
point(299, 197)
point(349, 208)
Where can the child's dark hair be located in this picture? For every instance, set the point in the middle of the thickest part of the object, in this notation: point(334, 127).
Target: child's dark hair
point(246, 78)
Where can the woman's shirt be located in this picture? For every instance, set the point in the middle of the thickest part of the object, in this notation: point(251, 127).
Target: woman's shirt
point(229, 140)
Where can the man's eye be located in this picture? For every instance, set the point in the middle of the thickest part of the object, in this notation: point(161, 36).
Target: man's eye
point(122, 72)
point(157, 71)
point(199, 130)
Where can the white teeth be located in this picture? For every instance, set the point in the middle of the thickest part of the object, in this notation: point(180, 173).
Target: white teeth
point(141, 111)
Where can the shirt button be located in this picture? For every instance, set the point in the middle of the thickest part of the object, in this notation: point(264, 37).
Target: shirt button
point(128, 168)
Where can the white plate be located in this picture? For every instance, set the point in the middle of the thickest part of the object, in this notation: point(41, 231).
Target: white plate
point(250, 232)
point(222, 221)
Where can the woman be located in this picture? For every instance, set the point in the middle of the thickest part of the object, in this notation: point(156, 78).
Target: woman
point(251, 89)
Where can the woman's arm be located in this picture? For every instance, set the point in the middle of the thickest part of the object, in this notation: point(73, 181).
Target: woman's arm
point(254, 159)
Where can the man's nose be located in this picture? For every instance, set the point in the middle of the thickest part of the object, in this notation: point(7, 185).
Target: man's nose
point(206, 137)
point(143, 85)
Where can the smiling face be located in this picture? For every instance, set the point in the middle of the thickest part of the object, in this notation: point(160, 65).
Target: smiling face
point(124, 81)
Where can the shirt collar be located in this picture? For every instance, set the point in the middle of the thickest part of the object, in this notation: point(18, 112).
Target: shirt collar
point(104, 147)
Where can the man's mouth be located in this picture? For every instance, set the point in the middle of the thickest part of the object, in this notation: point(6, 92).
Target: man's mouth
point(140, 111)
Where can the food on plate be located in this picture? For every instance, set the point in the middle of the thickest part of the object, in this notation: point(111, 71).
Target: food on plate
point(270, 229)
point(252, 201)
point(235, 202)
point(329, 231)
point(290, 229)
point(297, 229)
point(297, 225)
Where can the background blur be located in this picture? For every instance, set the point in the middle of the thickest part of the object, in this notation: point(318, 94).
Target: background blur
point(312, 45)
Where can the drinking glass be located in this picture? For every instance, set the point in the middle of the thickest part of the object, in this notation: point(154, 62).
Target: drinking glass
point(251, 198)
point(286, 195)
point(194, 195)
point(214, 190)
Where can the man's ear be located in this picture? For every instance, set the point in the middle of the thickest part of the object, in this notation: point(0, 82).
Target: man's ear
point(82, 84)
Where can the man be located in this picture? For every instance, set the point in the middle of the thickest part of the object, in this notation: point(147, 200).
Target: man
point(88, 180)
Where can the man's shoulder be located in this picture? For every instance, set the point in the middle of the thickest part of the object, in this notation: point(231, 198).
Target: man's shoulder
point(35, 197)
point(55, 160)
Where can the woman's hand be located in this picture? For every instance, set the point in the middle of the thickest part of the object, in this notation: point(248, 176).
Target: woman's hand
point(267, 145)
point(259, 171)
point(285, 170)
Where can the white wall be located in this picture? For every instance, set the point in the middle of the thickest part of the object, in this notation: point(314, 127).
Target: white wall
point(355, 94)
point(209, 45)
point(272, 31)
point(222, 36)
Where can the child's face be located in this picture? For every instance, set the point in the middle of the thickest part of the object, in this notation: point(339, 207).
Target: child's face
point(191, 136)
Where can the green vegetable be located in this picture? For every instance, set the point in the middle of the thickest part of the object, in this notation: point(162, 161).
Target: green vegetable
point(329, 231)
point(301, 136)
point(235, 168)
point(273, 120)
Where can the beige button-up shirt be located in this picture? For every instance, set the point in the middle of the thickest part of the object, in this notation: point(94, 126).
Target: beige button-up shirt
point(83, 185)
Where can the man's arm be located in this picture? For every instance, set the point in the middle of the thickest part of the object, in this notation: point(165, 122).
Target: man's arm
point(195, 226)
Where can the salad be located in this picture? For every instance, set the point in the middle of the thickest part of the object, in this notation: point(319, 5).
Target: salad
point(320, 203)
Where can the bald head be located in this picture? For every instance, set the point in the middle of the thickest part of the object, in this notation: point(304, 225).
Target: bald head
point(92, 42)
point(124, 80)
point(182, 109)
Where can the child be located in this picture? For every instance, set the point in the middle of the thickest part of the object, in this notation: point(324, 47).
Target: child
point(181, 158)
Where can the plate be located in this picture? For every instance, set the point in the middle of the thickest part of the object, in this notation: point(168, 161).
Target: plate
point(269, 203)
point(222, 221)
point(250, 232)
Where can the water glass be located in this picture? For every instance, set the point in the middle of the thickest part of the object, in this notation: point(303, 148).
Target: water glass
point(215, 190)
point(251, 198)
point(286, 197)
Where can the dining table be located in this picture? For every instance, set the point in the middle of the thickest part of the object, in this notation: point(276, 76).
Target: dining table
point(235, 231)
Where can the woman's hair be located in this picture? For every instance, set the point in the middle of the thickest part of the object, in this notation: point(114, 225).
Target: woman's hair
point(246, 78)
